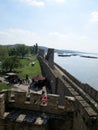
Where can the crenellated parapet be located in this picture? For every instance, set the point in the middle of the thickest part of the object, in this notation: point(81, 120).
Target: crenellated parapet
point(19, 109)
point(86, 97)
point(19, 99)
point(41, 53)
point(49, 56)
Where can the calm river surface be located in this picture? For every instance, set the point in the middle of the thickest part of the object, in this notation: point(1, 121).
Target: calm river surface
point(84, 69)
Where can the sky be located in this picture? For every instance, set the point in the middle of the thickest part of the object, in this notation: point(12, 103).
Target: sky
point(60, 24)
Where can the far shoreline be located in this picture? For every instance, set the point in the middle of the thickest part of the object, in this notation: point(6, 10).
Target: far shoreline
point(94, 57)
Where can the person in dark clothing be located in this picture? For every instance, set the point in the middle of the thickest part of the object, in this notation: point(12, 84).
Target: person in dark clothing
point(27, 79)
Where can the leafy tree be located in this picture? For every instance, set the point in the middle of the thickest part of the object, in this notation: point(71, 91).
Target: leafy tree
point(10, 63)
point(12, 51)
point(22, 50)
point(5, 65)
point(34, 49)
point(3, 52)
point(31, 50)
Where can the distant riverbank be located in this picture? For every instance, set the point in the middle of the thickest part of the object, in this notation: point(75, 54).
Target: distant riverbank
point(85, 56)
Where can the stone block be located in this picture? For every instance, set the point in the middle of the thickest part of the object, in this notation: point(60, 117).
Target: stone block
point(79, 98)
point(35, 98)
point(53, 99)
point(50, 57)
point(41, 53)
point(74, 93)
point(20, 97)
point(90, 112)
point(2, 105)
point(20, 118)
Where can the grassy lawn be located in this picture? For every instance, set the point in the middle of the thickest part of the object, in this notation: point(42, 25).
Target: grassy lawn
point(27, 68)
point(5, 86)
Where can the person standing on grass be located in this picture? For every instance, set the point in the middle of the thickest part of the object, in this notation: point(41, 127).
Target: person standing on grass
point(27, 79)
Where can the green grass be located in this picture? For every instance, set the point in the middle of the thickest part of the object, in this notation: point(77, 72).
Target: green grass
point(5, 86)
point(27, 68)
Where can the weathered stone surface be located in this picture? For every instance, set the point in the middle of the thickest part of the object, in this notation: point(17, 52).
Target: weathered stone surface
point(41, 53)
point(39, 121)
point(50, 57)
point(90, 111)
point(5, 114)
point(21, 118)
point(35, 98)
point(20, 97)
point(74, 93)
point(2, 105)
point(84, 103)
point(71, 89)
point(79, 98)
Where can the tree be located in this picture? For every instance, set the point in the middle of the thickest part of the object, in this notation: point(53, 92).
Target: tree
point(3, 52)
point(31, 50)
point(10, 63)
point(12, 52)
point(34, 49)
point(22, 50)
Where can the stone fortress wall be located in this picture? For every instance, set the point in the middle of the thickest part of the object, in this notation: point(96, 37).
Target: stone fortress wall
point(86, 98)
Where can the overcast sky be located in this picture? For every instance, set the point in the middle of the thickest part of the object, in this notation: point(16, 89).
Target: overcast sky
point(61, 24)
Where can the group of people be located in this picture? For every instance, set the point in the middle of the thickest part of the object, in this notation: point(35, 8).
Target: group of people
point(39, 83)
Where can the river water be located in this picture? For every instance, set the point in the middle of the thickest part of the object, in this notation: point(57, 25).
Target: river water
point(84, 69)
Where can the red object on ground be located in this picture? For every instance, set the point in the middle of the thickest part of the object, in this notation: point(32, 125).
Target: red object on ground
point(44, 100)
point(38, 77)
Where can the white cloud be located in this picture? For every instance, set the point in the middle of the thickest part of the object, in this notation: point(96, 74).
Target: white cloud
point(12, 36)
point(67, 36)
point(42, 2)
point(59, 1)
point(59, 35)
point(56, 1)
point(2, 33)
point(72, 41)
point(94, 17)
point(34, 2)
point(91, 27)
point(54, 33)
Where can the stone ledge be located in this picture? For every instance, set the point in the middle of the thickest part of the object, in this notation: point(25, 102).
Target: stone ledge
point(21, 118)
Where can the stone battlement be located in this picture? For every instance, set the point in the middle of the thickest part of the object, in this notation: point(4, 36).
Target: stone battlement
point(22, 110)
point(19, 99)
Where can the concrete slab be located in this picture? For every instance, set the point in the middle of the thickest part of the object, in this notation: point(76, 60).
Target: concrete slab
point(79, 98)
point(38, 121)
point(90, 112)
point(84, 103)
point(21, 118)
